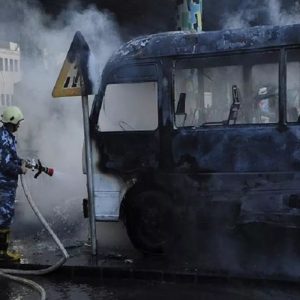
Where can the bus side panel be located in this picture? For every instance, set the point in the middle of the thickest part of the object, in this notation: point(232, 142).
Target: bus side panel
point(253, 170)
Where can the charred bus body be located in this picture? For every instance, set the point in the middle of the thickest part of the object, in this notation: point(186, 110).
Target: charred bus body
point(199, 122)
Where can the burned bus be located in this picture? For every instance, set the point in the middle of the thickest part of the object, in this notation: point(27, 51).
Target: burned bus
point(207, 122)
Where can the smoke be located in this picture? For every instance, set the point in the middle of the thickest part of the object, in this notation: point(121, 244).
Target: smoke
point(266, 12)
point(53, 129)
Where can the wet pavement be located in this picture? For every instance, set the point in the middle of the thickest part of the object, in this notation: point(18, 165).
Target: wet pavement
point(83, 288)
point(193, 254)
point(121, 272)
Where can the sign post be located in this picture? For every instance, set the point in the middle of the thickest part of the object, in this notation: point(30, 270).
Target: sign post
point(73, 80)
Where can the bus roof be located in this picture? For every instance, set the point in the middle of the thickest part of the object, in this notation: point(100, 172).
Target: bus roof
point(179, 43)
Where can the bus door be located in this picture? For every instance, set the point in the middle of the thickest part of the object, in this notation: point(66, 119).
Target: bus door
point(127, 136)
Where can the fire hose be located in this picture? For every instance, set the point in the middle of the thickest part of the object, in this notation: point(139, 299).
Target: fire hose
point(8, 273)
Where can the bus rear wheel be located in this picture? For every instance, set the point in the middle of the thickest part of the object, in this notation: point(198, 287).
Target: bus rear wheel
point(149, 221)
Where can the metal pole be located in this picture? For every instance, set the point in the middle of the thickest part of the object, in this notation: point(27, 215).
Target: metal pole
point(89, 167)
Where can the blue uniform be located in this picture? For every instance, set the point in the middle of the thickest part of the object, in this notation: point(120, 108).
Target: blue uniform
point(10, 168)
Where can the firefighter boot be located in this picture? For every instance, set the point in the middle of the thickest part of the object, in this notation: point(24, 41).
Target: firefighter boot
point(5, 255)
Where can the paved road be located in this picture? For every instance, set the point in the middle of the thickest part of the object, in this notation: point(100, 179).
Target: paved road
point(209, 289)
point(71, 228)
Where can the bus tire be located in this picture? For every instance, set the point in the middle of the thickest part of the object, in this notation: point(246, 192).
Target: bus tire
point(148, 216)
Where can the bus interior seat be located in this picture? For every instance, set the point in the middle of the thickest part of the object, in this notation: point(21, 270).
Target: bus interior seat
point(235, 106)
point(180, 114)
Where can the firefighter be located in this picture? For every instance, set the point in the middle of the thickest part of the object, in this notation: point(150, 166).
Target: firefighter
point(267, 104)
point(10, 167)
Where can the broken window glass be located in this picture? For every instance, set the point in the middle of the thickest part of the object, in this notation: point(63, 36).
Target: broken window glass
point(129, 107)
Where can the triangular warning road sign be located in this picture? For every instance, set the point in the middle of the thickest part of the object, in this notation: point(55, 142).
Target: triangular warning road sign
point(68, 83)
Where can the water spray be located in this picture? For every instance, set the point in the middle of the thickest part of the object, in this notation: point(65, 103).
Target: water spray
point(37, 165)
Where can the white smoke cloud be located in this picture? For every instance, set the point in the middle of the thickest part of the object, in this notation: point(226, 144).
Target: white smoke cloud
point(278, 16)
point(268, 12)
point(53, 129)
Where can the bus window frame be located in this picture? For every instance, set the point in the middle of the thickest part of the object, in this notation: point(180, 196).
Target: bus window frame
point(282, 70)
point(132, 128)
point(287, 49)
point(111, 78)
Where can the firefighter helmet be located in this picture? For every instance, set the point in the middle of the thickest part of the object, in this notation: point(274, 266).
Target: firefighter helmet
point(12, 114)
point(266, 92)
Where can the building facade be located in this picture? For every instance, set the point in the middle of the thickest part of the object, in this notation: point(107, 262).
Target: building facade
point(10, 72)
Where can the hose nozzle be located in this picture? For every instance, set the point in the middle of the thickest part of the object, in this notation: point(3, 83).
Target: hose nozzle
point(37, 165)
point(48, 171)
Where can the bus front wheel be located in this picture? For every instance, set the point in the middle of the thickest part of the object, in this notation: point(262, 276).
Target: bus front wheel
point(149, 221)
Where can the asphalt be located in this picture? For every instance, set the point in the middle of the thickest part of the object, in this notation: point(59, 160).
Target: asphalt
point(122, 263)
point(116, 263)
point(116, 258)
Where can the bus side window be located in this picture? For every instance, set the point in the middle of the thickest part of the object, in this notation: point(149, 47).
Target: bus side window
point(293, 86)
point(207, 84)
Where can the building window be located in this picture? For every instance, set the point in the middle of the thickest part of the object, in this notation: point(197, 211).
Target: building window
point(1, 64)
point(7, 100)
point(6, 64)
point(16, 65)
point(11, 65)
